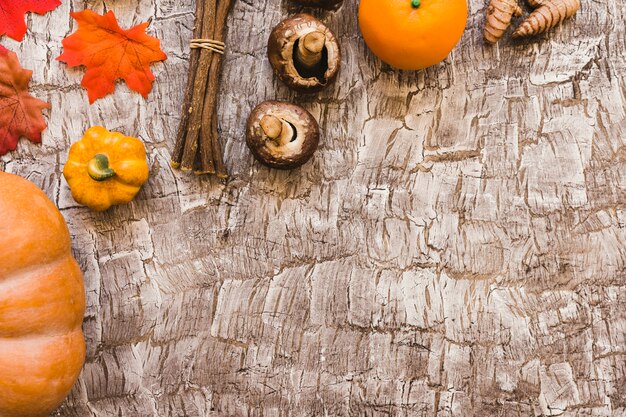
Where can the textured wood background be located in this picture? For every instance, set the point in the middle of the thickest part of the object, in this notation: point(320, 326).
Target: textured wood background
point(455, 248)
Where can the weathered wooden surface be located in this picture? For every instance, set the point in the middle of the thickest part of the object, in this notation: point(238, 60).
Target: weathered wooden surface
point(456, 247)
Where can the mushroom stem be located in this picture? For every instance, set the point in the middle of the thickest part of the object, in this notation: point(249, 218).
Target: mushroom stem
point(279, 131)
point(310, 48)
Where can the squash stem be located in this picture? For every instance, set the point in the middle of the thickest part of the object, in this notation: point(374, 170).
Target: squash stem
point(98, 168)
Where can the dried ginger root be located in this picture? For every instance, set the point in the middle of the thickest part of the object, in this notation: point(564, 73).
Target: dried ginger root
point(499, 15)
point(549, 14)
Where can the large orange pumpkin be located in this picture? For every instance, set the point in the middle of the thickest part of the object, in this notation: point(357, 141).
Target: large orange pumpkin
point(412, 34)
point(42, 302)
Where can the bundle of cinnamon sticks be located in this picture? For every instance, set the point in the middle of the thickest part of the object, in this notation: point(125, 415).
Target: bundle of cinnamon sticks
point(197, 146)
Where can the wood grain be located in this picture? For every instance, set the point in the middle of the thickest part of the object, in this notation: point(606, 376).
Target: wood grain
point(455, 248)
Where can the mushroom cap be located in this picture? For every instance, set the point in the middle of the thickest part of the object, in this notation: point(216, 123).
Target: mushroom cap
point(327, 4)
point(292, 154)
point(281, 52)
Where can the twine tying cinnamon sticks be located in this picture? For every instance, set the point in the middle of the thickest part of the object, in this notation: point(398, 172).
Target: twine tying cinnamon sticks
point(210, 44)
point(198, 148)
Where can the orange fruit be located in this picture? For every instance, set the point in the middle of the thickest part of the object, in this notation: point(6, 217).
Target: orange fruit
point(412, 34)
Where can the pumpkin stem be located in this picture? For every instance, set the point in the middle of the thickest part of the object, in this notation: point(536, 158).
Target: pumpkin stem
point(416, 3)
point(98, 168)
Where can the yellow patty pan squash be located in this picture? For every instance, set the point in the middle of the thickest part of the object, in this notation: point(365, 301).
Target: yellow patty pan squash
point(106, 168)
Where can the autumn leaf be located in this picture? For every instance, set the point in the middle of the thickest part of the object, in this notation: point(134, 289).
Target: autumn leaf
point(12, 12)
point(111, 53)
point(20, 113)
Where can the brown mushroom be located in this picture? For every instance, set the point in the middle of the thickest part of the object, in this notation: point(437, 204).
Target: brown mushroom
point(282, 135)
point(326, 4)
point(304, 53)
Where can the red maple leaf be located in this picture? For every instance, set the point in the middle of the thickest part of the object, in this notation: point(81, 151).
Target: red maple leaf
point(12, 15)
point(111, 53)
point(20, 113)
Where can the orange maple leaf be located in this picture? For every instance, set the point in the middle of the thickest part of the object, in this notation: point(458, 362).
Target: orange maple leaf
point(12, 15)
point(20, 113)
point(111, 53)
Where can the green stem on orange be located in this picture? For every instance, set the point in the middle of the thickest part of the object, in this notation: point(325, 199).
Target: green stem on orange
point(98, 168)
point(416, 3)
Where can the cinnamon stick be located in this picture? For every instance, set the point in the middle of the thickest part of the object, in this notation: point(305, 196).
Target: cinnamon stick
point(210, 105)
point(197, 143)
point(177, 153)
point(197, 102)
